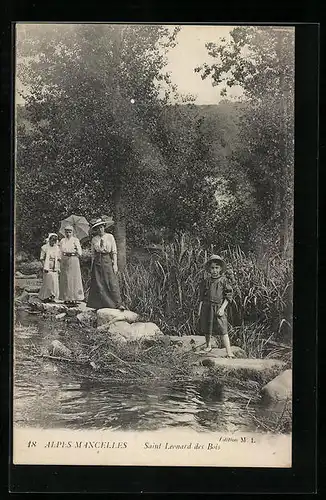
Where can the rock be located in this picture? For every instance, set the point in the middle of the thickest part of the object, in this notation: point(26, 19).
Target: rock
point(23, 297)
point(72, 311)
point(49, 368)
point(18, 274)
point(83, 307)
point(53, 307)
point(197, 343)
point(187, 341)
point(254, 365)
point(87, 317)
point(34, 300)
point(135, 331)
point(29, 284)
point(60, 316)
point(278, 389)
point(199, 371)
point(57, 348)
point(221, 353)
point(108, 315)
point(33, 289)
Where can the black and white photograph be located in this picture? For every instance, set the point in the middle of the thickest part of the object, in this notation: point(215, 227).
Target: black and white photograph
point(153, 259)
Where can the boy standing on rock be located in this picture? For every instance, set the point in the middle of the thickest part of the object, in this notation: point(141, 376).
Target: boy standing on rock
point(215, 294)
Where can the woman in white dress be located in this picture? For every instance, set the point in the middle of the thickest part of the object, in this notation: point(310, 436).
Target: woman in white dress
point(50, 258)
point(104, 288)
point(71, 286)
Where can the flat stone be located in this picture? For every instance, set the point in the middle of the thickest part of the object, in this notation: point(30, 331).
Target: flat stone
point(256, 365)
point(18, 274)
point(53, 307)
point(25, 283)
point(60, 316)
point(33, 289)
point(107, 315)
point(278, 389)
point(135, 331)
point(217, 352)
point(197, 343)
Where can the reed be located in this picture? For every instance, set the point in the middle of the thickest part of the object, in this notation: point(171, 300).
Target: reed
point(164, 289)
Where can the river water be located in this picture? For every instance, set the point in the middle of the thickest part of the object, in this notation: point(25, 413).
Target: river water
point(49, 394)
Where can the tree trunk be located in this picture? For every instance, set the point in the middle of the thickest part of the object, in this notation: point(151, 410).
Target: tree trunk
point(120, 225)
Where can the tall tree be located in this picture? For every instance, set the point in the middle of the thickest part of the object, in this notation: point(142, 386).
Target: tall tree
point(93, 98)
point(261, 61)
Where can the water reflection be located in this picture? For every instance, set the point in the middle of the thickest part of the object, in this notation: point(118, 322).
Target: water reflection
point(52, 395)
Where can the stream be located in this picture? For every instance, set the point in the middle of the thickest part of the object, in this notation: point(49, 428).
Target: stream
point(49, 394)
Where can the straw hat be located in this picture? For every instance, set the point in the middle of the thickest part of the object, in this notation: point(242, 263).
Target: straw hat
point(102, 221)
point(216, 258)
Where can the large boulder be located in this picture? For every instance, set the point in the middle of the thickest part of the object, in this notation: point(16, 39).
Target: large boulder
point(135, 331)
point(278, 389)
point(108, 315)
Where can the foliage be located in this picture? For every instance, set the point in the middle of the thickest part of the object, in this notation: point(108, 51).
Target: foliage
point(165, 290)
point(261, 61)
point(92, 101)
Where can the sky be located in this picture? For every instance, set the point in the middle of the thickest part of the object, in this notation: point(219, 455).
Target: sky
point(189, 52)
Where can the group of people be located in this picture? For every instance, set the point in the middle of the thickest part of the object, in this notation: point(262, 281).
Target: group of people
point(62, 280)
point(61, 268)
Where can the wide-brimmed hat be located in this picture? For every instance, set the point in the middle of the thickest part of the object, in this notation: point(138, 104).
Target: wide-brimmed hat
point(216, 258)
point(102, 221)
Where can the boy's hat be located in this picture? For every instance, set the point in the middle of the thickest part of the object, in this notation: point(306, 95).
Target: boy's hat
point(216, 258)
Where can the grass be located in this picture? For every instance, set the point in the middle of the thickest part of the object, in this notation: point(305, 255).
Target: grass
point(165, 290)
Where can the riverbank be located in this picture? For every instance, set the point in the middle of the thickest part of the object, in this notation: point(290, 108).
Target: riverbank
point(93, 352)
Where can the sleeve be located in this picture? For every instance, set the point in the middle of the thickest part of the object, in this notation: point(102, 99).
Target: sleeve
point(79, 248)
point(113, 245)
point(227, 291)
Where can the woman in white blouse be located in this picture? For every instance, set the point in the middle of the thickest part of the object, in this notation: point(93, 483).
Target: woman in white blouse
point(104, 288)
point(71, 285)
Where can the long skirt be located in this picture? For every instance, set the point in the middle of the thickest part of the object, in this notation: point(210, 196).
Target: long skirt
point(71, 286)
point(104, 288)
point(50, 286)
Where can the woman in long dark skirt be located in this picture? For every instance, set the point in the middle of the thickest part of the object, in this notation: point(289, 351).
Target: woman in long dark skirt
point(104, 289)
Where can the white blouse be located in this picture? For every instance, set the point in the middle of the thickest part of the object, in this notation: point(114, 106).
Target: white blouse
point(71, 245)
point(104, 244)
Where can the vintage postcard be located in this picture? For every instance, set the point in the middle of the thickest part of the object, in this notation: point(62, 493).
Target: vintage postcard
point(154, 170)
